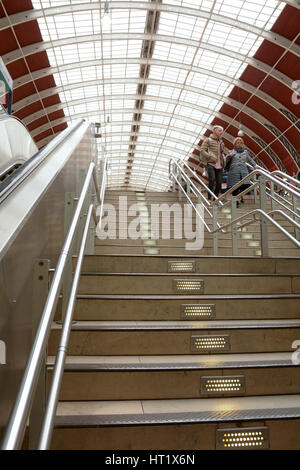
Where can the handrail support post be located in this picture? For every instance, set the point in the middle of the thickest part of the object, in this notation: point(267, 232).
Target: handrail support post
point(263, 220)
point(40, 292)
point(67, 280)
point(234, 226)
point(295, 209)
point(215, 226)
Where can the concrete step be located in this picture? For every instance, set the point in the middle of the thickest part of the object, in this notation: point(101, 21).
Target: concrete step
point(173, 377)
point(181, 251)
point(206, 242)
point(144, 214)
point(201, 264)
point(179, 424)
point(170, 283)
point(185, 307)
point(171, 337)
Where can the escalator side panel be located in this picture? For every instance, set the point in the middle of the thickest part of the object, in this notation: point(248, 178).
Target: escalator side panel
point(39, 215)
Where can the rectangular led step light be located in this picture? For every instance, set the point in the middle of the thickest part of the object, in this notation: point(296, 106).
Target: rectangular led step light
point(149, 242)
point(253, 243)
point(242, 438)
point(151, 251)
point(198, 311)
point(222, 385)
point(188, 285)
point(206, 343)
point(181, 266)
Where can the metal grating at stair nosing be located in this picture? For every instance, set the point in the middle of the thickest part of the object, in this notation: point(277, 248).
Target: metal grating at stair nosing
point(202, 326)
point(192, 275)
point(174, 366)
point(185, 296)
point(172, 418)
point(180, 257)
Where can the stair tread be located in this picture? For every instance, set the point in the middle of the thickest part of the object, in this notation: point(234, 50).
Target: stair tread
point(92, 413)
point(136, 255)
point(187, 274)
point(190, 297)
point(181, 325)
point(157, 362)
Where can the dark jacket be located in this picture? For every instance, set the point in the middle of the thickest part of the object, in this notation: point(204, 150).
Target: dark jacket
point(236, 167)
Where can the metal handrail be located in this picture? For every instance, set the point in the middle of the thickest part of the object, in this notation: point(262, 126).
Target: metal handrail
point(262, 213)
point(16, 426)
point(47, 426)
point(267, 177)
point(269, 194)
point(200, 181)
point(267, 216)
point(259, 172)
point(287, 177)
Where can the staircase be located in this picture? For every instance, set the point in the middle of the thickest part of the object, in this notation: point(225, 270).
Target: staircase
point(177, 349)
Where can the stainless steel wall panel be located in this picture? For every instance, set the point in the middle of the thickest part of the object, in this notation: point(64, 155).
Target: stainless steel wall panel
point(39, 214)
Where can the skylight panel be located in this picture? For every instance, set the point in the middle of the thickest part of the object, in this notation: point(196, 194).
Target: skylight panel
point(103, 90)
point(167, 73)
point(121, 117)
point(205, 5)
point(157, 119)
point(160, 90)
point(230, 38)
point(176, 52)
point(181, 25)
point(184, 125)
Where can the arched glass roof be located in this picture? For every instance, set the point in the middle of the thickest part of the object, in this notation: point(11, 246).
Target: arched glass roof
point(156, 75)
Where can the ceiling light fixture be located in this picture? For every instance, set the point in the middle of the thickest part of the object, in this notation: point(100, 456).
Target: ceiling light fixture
point(240, 132)
point(106, 18)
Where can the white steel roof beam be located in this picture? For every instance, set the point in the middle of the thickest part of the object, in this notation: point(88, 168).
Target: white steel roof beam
point(44, 45)
point(30, 15)
point(243, 85)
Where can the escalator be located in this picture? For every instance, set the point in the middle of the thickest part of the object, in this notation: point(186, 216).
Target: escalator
point(17, 146)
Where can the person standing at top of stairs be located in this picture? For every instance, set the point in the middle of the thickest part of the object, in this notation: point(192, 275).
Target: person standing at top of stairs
point(212, 153)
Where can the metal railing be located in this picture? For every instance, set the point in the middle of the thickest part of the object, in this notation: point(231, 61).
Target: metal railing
point(17, 424)
point(263, 187)
point(289, 180)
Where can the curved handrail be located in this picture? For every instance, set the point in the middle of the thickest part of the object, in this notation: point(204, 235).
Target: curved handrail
point(23, 172)
point(288, 177)
point(258, 172)
point(282, 204)
point(267, 216)
point(17, 143)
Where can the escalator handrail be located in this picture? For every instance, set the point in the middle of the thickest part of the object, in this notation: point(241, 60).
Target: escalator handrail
point(24, 171)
